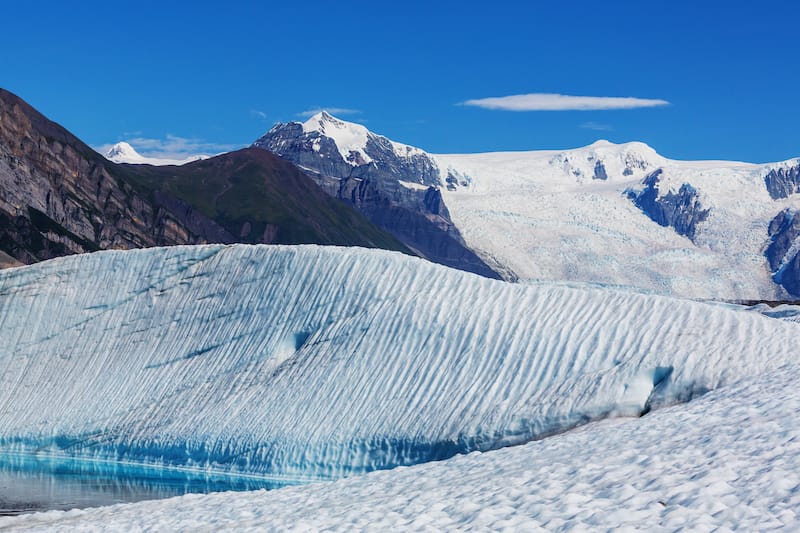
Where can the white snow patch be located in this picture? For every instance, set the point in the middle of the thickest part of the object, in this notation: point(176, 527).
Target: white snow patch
point(411, 185)
point(348, 136)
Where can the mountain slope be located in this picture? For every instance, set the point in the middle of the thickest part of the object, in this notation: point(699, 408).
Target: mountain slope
point(368, 171)
point(307, 362)
point(60, 197)
point(606, 213)
point(258, 197)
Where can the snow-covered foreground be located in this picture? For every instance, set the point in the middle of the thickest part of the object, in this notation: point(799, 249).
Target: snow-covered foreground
point(729, 460)
point(308, 363)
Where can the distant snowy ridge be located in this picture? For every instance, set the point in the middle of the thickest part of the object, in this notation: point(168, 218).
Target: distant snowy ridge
point(621, 215)
point(313, 363)
point(614, 214)
point(123, 152)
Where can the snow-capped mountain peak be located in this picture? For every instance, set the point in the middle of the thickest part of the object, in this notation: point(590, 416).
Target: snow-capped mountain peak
point(326, 135)
point(603, 159)
point(351, 139)
point(123, 152)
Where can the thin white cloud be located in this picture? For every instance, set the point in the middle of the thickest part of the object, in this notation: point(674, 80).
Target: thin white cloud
point(258, 114)
point(173, 147)
point(332, 110)
point(597, 126)
point(562, 102)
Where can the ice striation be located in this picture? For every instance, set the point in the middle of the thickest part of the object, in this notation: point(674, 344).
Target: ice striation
point(729, 461)
point(308, 362)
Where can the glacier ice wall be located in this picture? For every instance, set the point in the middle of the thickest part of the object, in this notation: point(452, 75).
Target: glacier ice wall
point(312, 363)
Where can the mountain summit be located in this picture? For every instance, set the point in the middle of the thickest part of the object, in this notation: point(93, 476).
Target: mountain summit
point(396, 186)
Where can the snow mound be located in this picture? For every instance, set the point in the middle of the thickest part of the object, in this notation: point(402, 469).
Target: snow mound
point(315, 363)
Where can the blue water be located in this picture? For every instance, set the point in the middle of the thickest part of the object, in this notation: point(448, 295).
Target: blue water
point(31, 483)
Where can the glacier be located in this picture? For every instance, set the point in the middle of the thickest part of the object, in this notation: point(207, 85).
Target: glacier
point(729, 461)
point(545, 215)
point(304, 363)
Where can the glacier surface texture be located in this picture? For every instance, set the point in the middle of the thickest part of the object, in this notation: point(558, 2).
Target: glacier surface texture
point(309, 362)
point(729, 461)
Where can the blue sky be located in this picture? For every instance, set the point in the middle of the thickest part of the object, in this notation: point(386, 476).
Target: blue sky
point(207, 76)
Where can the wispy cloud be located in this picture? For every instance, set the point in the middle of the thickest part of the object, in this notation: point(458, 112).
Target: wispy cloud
point(173, 147)
point(258, 114)
point(562, 102)
point(597, 126)
point(332, 110)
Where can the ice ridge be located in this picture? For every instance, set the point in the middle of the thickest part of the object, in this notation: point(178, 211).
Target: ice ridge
point(307, 362)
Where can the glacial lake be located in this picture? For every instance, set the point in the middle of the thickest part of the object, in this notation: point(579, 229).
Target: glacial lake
point(30, 484)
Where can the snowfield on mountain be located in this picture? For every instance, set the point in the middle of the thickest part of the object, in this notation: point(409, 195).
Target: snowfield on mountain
point(549, 216)
point(610, 214)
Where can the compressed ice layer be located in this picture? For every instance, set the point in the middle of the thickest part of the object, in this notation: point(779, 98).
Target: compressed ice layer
point(728, 461)
point(309, 362)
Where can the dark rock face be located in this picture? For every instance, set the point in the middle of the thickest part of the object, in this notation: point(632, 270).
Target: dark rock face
point(682, 210)
point(783, 251)
point(783, 182)
point(413, 213)
point(58, 197)
point(206, 229)
point(600, 171)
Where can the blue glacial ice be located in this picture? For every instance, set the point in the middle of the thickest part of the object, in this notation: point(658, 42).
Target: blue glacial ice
point(305, 362)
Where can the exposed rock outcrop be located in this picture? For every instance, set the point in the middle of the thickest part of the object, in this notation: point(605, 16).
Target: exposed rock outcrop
point(783, 251)
point(680, 210)
point(58, 197)
point(783, 182)
point(394, 185)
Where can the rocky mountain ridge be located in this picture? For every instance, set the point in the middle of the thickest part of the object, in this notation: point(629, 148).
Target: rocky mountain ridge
point(396, 186)
point(60, 197)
